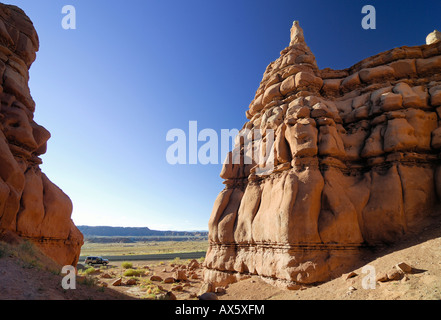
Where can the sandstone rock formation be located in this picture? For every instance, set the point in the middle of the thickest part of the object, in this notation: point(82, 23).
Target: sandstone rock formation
point(433, 37)
point(356, 164)
point(31, 206)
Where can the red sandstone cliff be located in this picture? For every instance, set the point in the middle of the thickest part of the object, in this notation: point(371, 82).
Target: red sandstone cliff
point(356, 164)
point(31, 206)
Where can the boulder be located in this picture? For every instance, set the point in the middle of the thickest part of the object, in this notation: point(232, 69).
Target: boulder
point(193, 264)
point(180, 275)
point(220, 290)
point(131, 282)
point(394, 274)
point(117, 282)
point(208, 296)
point(382, 277)
point(433, 37)
point(177, 288)
point(155, 278)
point(404, 267)
point(169, 280)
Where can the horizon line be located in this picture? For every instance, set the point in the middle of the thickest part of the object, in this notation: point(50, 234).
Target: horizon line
point(193, 230)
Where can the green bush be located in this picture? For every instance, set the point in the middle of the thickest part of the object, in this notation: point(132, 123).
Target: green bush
point(176, 260)
point(132, 273)
point(127, 265)
point(89, 270)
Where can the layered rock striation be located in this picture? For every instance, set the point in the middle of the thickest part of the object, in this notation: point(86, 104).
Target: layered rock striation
point(31, 206)
point(355, 164)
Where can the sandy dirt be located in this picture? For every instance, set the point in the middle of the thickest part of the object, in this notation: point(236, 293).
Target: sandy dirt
point(422, 252)
point(23, 282)
point(19, 280)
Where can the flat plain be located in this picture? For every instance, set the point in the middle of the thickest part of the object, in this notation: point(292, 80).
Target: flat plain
point(142, 248)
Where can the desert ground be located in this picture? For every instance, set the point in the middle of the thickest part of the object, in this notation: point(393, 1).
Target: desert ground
point(27, 274)
point(422, 253)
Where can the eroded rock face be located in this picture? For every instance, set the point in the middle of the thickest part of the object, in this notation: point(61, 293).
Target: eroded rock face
point(30, 204)
point(356, 164)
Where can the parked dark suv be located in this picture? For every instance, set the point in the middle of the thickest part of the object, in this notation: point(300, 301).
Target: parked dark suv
point(95, 260)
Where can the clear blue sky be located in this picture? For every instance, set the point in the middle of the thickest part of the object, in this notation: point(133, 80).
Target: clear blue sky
point(110, 90)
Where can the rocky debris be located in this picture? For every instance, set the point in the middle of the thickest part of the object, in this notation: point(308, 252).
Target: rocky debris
point(130, 282)
point(404, 267)
point(150, 285)
point(394, 274)
point(193, 265)
point(166, 296)
point(194, 276)
point(349, 275)
point(382, 277)
point(155, 278)
point(405, 278)
point(350, 291)
point(220, 290)
point(117, 282)
point(354, 162)
point(31, 205)
point(398, 272)
point(177, 288)
point(169, 280)
point(180, 275)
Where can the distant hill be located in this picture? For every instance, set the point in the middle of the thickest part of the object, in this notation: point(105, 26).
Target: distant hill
point(105, 231)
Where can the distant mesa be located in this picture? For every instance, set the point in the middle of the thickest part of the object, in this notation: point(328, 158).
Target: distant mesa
point(356, 164)
point(107, 231)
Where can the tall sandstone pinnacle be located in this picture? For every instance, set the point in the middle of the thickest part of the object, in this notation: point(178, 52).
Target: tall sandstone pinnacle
point(356, 165)
point(31, 206)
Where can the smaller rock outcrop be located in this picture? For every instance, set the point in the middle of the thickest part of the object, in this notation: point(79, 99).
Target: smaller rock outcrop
point(433, 37)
